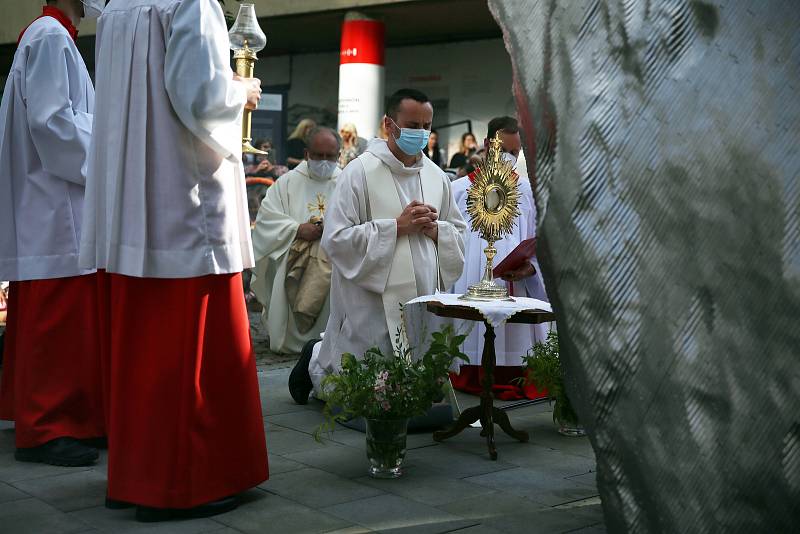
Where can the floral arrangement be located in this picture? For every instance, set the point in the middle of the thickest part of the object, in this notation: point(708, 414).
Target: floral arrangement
point(390, 387)
point(545, 372)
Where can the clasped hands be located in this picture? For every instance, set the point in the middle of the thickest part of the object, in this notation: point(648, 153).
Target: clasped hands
point(309, 231)
point(416, 218)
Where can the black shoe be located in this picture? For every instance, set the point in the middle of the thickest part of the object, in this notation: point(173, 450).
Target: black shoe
point(97, 443)
point(66, 452)
point(146, 514)
point(300, 384)
point(113, 504)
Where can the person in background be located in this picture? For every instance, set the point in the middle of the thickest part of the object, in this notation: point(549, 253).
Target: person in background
point(467, 148)
point(352, 145)
point(513, 340)
point(52, 381)
point(296, 146)
point(382, 133)
point(292, 271)
point(432, 149)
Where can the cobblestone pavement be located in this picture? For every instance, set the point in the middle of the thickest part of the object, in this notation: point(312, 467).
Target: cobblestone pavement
point(546, 485)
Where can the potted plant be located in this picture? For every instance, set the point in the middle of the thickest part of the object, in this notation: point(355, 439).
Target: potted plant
point(544, 370)
point(387, 391)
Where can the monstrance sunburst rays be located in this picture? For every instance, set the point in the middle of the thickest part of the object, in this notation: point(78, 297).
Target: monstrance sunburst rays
point(493, 208)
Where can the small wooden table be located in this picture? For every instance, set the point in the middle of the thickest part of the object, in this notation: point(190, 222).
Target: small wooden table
point(486, 412)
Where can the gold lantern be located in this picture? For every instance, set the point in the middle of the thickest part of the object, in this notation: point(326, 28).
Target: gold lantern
point(247, 40)
point(493, 207)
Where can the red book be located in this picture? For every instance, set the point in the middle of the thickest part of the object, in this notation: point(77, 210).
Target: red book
point(524, 252)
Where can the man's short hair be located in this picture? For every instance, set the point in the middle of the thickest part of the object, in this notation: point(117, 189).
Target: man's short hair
point(312, 133)
point(502, 124)
point(397, 98)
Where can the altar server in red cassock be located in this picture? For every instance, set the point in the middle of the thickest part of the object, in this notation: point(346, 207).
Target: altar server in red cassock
point(166, 219)
point(51, 382)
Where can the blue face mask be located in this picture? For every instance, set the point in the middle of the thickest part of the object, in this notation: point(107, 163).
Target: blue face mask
point(411, 140)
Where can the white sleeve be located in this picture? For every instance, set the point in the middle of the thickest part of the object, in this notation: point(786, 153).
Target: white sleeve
point(60, 133)
point(199, 79)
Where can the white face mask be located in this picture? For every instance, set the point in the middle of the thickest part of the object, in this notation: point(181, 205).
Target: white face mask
point(322, 168)
point(93, 8)
point(510, 158)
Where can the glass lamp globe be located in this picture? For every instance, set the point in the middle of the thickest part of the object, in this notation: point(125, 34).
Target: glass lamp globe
point(246, 33)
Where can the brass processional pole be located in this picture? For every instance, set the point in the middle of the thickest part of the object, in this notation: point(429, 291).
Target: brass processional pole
point(247, 40)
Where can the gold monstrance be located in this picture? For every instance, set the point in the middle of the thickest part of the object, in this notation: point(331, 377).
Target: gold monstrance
point(247, 39)
point(493, 207)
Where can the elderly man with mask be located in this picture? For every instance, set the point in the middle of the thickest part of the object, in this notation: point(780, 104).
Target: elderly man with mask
point(393, 233)
point(51, 385)
point(293, 273)
point(514, 340)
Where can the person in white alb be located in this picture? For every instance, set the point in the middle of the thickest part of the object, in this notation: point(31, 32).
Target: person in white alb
point(393, 233)
point(293, 274)
point(51, 382)
point(166, 219)
point(513, 340)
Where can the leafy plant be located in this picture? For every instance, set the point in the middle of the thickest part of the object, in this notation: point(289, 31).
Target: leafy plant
point(390, 387)
point(545, 371)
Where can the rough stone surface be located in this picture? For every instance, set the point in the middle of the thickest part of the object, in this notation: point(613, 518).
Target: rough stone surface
point(663, 142)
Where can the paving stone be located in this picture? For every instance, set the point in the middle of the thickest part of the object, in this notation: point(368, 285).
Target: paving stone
point(13, 471)
point(477, 529)
point(34, 516)
point(390, 513)
point(546, 460)
point(9, 493)
point(548, 490)
point(317, 488)
point(281, 440)
point(305, 421)
point(544, 521)
point(351, 530)
point(272, 513)
point(68, 492)
point(456, 463)
point(433, 489)
point(280, 464)
point(104, 520)
point(348, 462)
point(490, 505)
point(590, 479)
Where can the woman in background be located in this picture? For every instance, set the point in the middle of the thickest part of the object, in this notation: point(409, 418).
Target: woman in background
point(468, 148)
point(351, 146)
point(296, 146)
point(433, 151)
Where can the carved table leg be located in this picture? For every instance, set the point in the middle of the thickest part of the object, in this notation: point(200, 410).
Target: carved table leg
point(488, 361)
point(485, 412)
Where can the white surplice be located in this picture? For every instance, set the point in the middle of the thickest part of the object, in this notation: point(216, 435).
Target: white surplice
point(45, 132)
point(361, 250)
point(291, 201)
point(165, 193)
point(513, 340)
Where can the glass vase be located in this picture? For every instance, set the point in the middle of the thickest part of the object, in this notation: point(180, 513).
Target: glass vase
point(386, 446)
point(567, 420)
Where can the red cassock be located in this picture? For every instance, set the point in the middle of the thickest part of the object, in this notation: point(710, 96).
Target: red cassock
point(506, 382)
point(52, 380)
point(185, 422)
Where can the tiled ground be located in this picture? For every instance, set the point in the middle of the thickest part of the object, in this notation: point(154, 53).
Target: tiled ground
point(546, 485)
